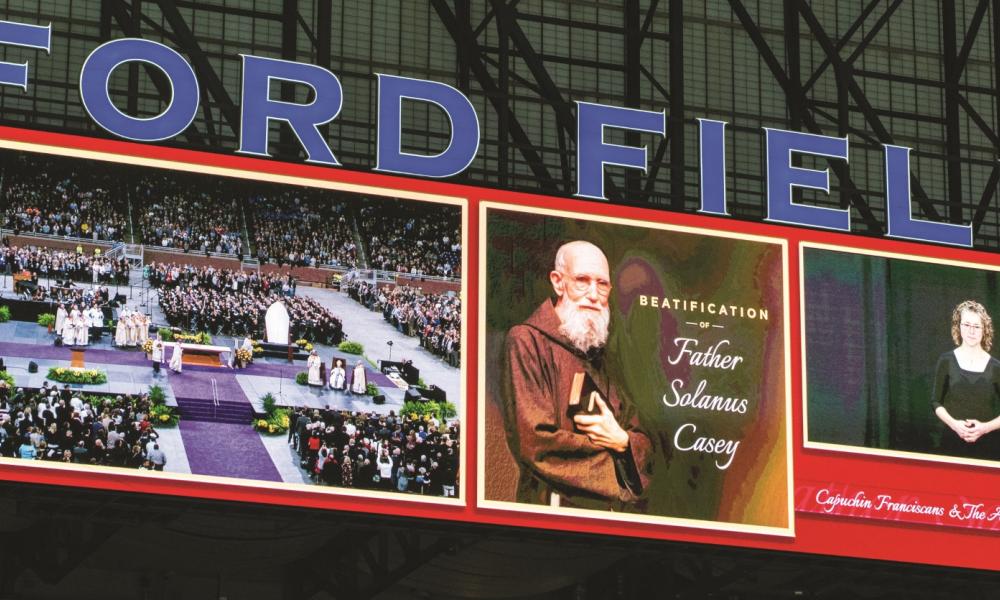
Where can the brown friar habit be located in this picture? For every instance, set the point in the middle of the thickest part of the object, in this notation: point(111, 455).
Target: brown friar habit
point(553, 457)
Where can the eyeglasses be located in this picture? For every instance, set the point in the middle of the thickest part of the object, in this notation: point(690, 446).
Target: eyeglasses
point(972, 326)
point(582, 284)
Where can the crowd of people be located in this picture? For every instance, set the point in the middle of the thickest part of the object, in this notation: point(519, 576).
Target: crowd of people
point(303, 229)
point(54, 196)
point(62, 265)
point(435, 318)
point(43, 274)
point(171, 275)
point(234, 302)
point(410, 237)
point(382, 452)
point(177, 216)
point(99, 295)
point(300, 227)
point(59, 425)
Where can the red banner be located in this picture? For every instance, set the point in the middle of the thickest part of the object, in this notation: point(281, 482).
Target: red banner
point(907, 506)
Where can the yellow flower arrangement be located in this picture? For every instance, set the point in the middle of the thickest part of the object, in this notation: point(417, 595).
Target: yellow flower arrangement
point(270, 428)
point(77, 375)
point(164, 417)
point(262, 423)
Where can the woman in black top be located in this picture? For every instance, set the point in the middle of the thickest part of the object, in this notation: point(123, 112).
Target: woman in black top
point(967, 387)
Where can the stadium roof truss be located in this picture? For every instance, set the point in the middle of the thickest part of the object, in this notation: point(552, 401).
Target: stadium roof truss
point(919, 74)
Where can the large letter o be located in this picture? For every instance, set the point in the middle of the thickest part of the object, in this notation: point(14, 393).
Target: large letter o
point(184, 95)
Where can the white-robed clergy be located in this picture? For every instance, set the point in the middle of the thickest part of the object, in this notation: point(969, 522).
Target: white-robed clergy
point(314, 362)
point(132, 330)
point(69, 330)
point(359, 379)
point(143, 333)
point(177, 359)
point(157, 353)
point(121, 329)
point(74, 313)
point(95, 319)
point(80, 324)
point(60, 319)
point(338, 376)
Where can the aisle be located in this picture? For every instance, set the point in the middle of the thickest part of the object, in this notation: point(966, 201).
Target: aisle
point(219, 441)
point(227, 450)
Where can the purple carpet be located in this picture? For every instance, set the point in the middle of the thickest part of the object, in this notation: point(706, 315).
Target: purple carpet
point(197, 409)
point(193, 383)
point(193, 391)
point(45, 351)
point(226, 450)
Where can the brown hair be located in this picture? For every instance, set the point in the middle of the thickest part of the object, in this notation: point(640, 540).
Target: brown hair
point(956, 323)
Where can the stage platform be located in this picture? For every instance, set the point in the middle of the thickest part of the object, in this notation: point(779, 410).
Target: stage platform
point(294, 395)
point(122, 379)
point(130, 372)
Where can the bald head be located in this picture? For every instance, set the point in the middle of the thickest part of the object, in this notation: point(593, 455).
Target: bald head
point(578, 250)
point(582, 282)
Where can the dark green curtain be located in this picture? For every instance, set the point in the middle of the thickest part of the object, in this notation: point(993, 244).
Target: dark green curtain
point(875, 328)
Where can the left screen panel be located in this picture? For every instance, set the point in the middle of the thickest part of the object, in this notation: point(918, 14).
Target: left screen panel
point(215, 325)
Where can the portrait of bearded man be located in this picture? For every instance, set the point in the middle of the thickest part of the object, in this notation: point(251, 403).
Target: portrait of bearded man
point(596, 458)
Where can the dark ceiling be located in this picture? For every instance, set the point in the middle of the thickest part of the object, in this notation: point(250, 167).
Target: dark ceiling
point(57, 543)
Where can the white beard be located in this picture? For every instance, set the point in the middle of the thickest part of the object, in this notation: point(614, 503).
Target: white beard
point(587, 329)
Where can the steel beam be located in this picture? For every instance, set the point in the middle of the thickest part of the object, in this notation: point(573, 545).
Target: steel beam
point(550, 91)
point(793, 94)
point(632, 64)
point(207, 76)
point(465, 41)
point(863, 104)
point(675, 121)
point(129, 19)
point(953, 142)
point(868, 37)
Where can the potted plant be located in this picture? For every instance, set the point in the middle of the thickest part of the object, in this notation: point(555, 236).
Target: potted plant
point(47, 320)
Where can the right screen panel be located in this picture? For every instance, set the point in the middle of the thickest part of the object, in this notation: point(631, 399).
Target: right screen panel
point(898, 356)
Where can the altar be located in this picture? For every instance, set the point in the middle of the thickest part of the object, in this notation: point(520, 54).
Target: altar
point(198, 354)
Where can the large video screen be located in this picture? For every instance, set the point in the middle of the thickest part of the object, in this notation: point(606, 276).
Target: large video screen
point(898, 356)
point(232, 328)
point(634, 372)
point(203, 327)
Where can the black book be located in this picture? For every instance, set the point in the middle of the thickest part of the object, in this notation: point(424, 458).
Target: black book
point(583, 395)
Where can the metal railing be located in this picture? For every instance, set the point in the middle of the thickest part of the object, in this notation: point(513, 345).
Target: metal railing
point(392, 276)
point(215, 399)
point(117, 250)
point(138, 250)
point(60, 238)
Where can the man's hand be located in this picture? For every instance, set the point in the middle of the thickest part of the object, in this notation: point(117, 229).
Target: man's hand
point(602, 428)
